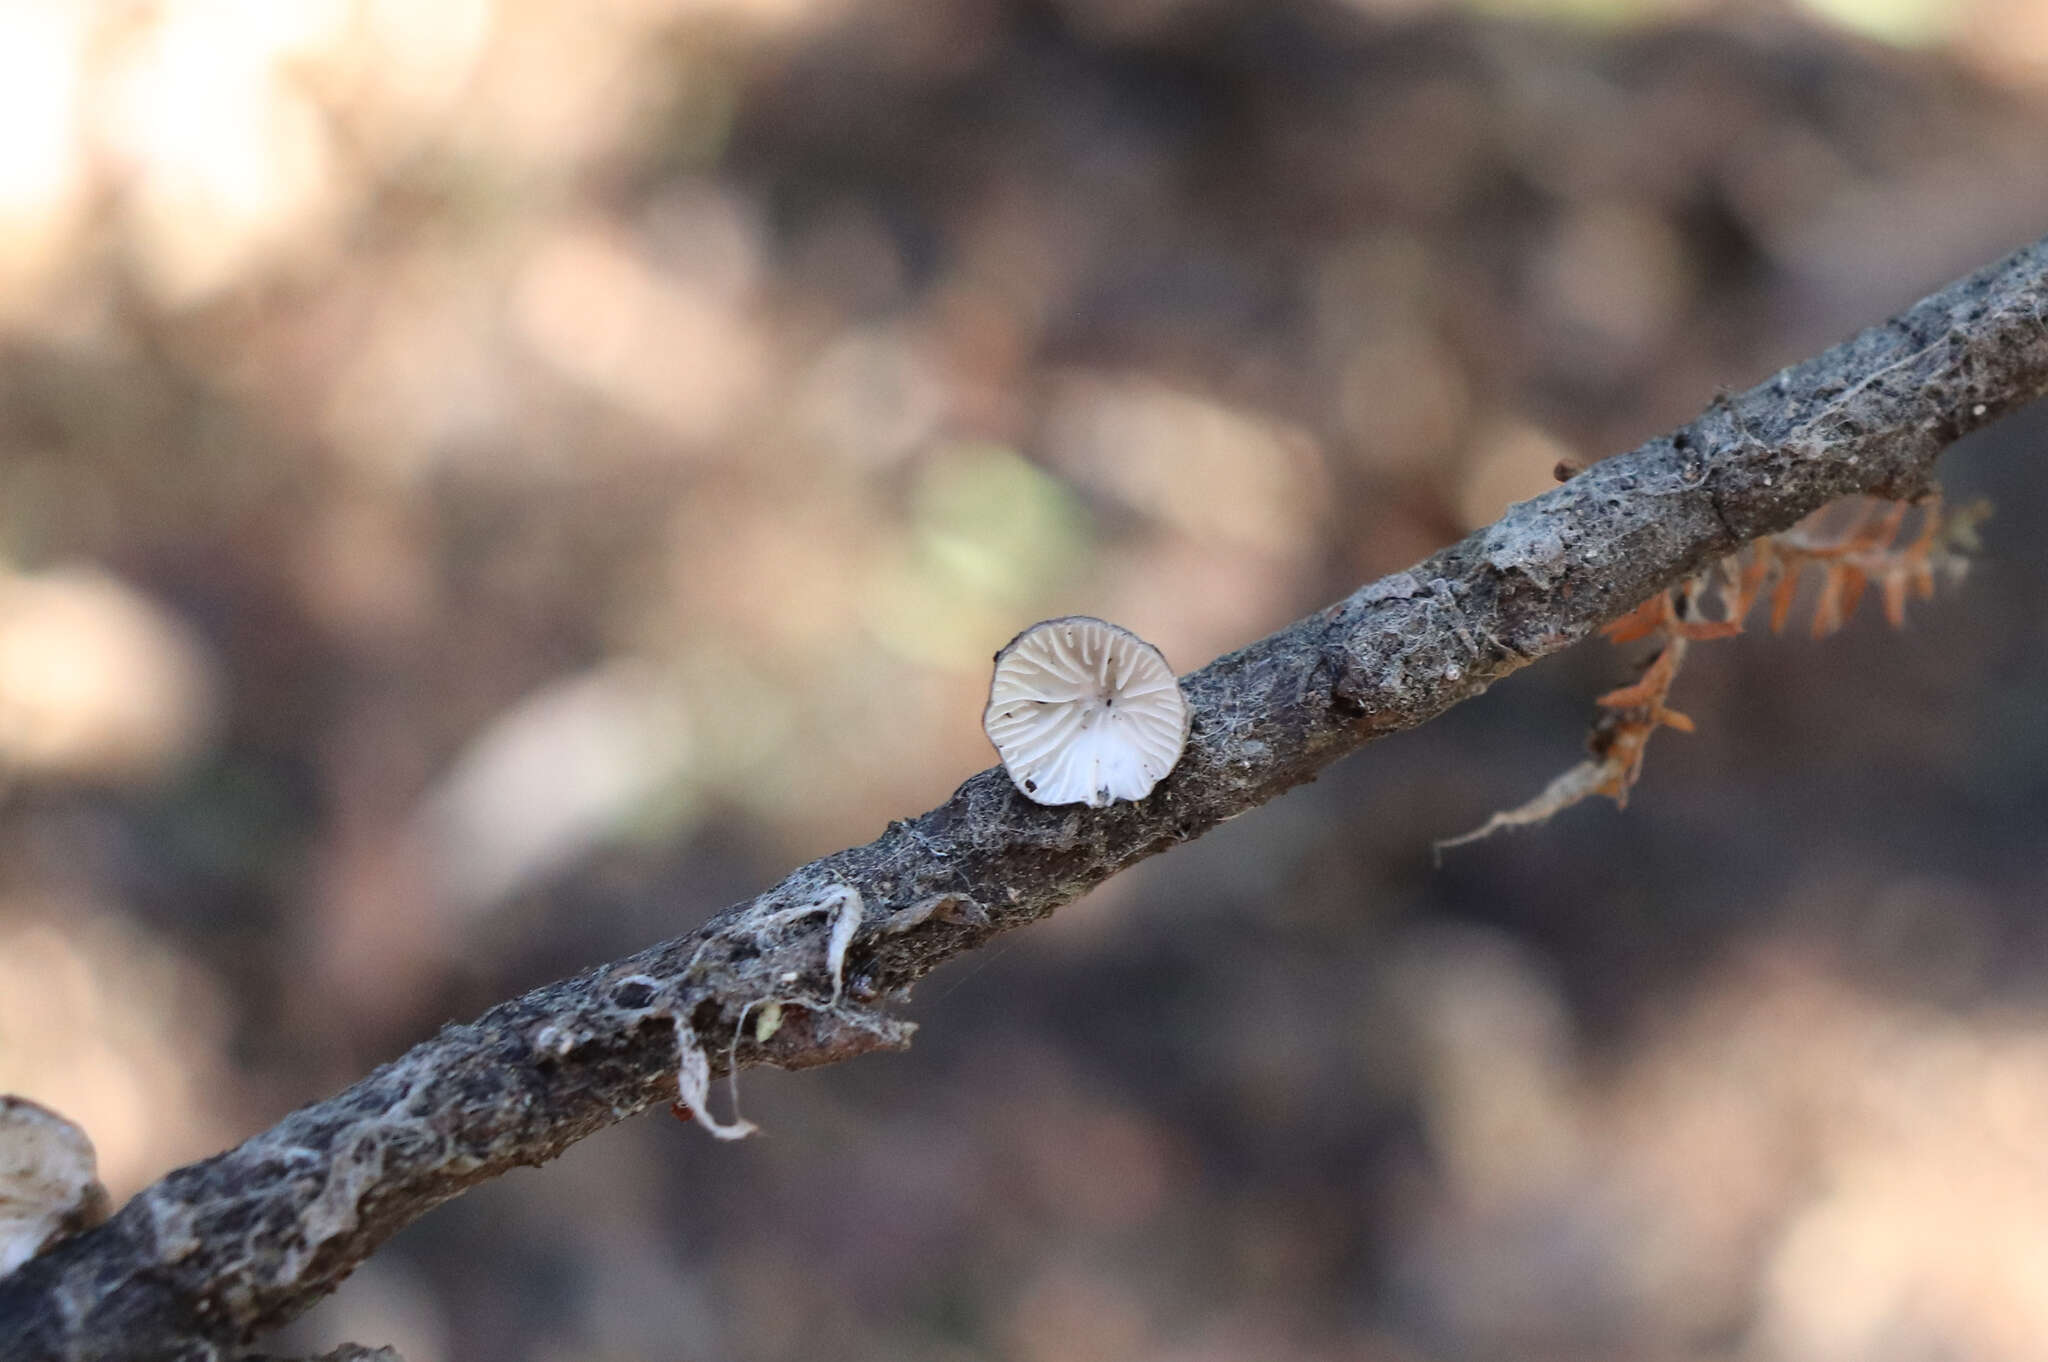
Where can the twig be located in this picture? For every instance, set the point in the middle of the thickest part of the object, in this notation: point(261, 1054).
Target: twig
point(220, 1252)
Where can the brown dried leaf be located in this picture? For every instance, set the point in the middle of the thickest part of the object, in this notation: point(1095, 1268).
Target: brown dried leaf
point(1863, 551)
point(1702, 631)
point(1650, 690)
point(1853, 582)
point(1827, 606)
point(1781, 598)
point(1641, 622)
point(1894, 585)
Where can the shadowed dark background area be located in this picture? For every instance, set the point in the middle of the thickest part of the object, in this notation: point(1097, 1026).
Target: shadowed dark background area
point(485, 484)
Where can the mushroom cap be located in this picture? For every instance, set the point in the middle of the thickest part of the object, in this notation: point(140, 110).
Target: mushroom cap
point(49, 1186)
point(1084, 712)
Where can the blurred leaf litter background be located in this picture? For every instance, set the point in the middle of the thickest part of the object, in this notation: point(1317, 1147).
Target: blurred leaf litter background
point(485, 483)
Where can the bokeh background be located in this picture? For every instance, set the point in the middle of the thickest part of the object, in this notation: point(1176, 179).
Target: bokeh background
point(485, 483)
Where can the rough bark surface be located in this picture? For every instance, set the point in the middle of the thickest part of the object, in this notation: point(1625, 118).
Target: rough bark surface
point(219, 1252)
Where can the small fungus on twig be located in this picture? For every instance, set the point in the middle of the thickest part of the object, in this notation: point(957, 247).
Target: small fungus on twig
point(49, 1181)
point(1083, 712)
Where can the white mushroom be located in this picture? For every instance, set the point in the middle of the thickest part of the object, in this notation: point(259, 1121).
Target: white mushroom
point(1083, 712)
point(49, 1186)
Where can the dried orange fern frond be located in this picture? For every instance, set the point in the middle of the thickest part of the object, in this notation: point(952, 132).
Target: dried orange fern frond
point(1853, 544)
point(1629, 716)
point(1846, 547)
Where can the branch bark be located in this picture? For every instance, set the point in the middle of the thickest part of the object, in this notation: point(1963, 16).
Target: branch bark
point(217, 1253)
